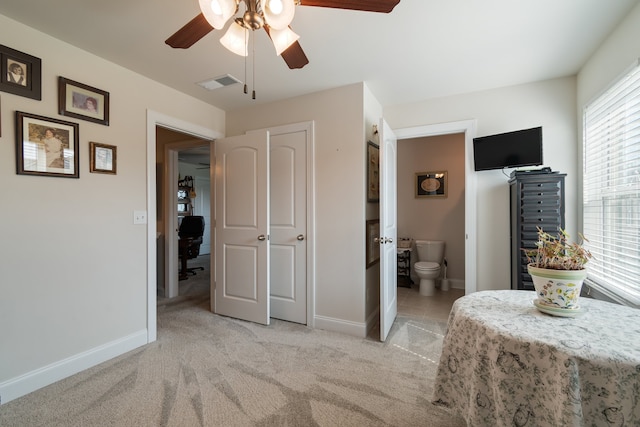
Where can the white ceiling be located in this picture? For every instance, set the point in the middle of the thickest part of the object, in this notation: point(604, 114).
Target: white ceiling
point(423, 49)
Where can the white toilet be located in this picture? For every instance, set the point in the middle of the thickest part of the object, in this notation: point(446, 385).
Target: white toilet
point(430, 256)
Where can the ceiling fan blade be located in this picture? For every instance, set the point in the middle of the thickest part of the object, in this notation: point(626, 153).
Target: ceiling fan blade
point(294, 56)
point(382, 6)
point(193, 31)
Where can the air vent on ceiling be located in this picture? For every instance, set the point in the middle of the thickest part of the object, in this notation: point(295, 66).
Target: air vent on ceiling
point(218, 82)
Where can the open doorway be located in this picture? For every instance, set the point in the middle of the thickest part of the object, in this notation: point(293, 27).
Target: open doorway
point(184, 197)
point(467, 130)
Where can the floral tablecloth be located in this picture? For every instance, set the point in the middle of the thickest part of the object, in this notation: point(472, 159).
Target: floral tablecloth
point(504, 363)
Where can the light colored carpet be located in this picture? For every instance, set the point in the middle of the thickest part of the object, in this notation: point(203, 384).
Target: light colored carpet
point(208, 370)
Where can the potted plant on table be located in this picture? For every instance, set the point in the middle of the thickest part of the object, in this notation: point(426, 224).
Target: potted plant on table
point(557, 268)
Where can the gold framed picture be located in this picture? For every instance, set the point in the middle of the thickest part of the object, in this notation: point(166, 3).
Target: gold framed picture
point(373, 172)
point(102, 158)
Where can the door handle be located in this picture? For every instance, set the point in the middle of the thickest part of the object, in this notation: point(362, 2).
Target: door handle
point(261, 237)
point(300, 237)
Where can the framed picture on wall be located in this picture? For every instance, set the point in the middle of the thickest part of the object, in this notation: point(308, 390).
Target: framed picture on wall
point(373, 172)
point(20, 74)
point(46, 147)
point(83, 102)
point(102, 158)
point(373, 242)
point(431, 184)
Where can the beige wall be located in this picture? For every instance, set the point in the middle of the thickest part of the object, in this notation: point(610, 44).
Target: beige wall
point(73, 267)
point(550, 104)
point(339, 160)
point(434, 218)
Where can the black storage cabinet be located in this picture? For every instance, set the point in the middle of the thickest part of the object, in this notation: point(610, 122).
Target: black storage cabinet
point(537, 200)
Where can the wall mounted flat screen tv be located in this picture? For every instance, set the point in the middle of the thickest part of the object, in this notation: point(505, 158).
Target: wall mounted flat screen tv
point(508, 150)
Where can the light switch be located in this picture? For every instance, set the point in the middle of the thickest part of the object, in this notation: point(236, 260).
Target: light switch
point(139, 217)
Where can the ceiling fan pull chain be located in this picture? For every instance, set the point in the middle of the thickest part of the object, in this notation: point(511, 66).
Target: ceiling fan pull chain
point(253, 46)
point(246, 89)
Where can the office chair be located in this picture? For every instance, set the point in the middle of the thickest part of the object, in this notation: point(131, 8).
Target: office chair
point(190, 233)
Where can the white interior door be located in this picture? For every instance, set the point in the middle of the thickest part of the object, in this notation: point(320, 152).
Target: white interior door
point(388, 228)
point(288, 243)
point(242, 227)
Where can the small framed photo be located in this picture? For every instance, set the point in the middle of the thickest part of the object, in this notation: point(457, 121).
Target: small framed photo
point(83, 102)
point(20, 74)
point(46, 147)
point(373, 172)
point(102, 158)
point(373, 241)
point(431, 184)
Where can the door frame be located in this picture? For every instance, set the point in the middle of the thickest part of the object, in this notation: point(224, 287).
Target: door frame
point(171, 167)
point(154, 119)
point(468, 128)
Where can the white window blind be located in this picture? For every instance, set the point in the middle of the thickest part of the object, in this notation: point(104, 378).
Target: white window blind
point(611, 188)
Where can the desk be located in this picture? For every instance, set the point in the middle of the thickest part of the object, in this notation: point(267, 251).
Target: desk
point(504, 363)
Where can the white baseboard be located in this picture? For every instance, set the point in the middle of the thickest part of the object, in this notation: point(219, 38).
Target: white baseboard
point(341, 325)
point(34, 380)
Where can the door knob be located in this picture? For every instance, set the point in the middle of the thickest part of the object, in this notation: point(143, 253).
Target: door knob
point(300, 237)
point(261, 237)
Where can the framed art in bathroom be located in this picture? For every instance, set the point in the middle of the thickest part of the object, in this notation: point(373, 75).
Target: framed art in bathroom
point(431, 184)
point(373, 244)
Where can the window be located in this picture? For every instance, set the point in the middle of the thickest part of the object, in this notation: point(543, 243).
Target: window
point(611, 189)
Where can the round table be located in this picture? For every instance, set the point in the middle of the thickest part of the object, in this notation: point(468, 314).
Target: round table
point(504, 363)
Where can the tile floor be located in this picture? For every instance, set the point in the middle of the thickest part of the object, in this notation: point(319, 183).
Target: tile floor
point(436, 307)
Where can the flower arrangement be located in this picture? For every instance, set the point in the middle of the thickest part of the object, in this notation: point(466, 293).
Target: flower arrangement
point(557, 253)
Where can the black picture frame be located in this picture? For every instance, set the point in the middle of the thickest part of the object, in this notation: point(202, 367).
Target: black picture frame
point(27, 84)
point(82, 101)
point(431, 184)
point(46, 146)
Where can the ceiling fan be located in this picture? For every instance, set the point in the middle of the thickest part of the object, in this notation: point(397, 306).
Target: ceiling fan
point(274, 16)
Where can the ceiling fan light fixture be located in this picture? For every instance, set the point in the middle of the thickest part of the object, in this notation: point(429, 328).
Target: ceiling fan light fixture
point(218, 12)
point(236, 39)
point(282, 39)
point(278, 13)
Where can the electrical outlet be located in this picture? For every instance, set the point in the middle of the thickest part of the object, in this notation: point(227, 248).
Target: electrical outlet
point(139, 217)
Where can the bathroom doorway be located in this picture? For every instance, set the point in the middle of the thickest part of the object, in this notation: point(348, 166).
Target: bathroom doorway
point(433, 217)
point(455, 140)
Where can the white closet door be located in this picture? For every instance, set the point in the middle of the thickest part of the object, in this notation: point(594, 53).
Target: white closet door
point(242, 227)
